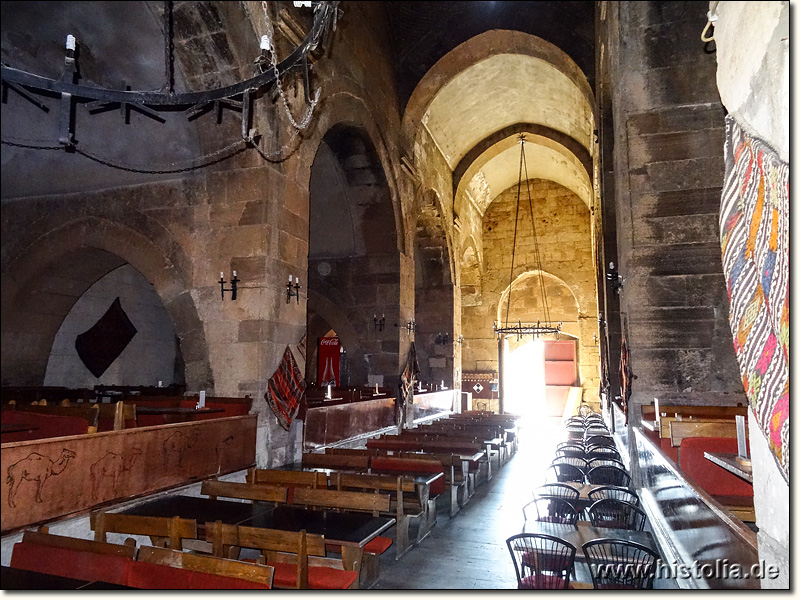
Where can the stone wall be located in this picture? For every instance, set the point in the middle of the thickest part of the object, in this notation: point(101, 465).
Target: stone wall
point(565, 248)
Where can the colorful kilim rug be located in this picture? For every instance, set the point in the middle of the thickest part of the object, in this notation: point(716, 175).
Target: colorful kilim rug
point(285, 389)
point(754, 224)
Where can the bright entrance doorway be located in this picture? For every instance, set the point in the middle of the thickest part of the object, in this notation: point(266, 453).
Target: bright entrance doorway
point(523, 379)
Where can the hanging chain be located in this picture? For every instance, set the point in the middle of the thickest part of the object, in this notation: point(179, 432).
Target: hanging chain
point(273, 60)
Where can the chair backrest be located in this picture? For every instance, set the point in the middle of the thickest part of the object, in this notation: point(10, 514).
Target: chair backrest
point(614, 492)
point(358, 501)
point(541, 561)
point(576, 461)
point(573, 444)
point(602, 452)
point(565, 472)
point(214, 488)
point(557, 490)
point(599, 440)
point(171, 530)
point(604, 462)
point(351, 462)
point(609, 476)
point(556, 510)
point(573, 451)
point(212, 565)
point(279, 477)
point(635, 564)
point(616, 514)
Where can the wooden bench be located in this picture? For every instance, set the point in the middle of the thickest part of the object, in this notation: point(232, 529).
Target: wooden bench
point(214, 488)
point(115, 417)
point(163, 531)
point(336, 461)
point(261, 575)
point(71, 557)
point(289, 479)
point(298, 558)
point(456, 477)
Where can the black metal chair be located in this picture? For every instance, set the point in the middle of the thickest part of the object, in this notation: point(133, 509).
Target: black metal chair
point(577, 461)
point(616, 514)
point(602, 452)
point(553, 510)
point(541, 562)
point(620, 565)
point(599, 440)
point(614, 492)
point(600, 462)
point(570, 444)
point(571, 451)
point(566, 473)
point(609, 476)
point(557, 490)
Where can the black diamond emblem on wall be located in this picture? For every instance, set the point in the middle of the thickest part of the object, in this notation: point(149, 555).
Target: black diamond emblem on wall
point(101, 345)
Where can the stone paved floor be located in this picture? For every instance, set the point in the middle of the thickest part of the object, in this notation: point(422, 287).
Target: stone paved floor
point(469, 551)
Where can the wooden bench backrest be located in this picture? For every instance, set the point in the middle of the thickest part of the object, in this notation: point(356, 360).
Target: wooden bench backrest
point(679, 430)
point(175, 528)
point(278, 477)
point(360, 501)
point(61, 541)
point(350, 451)
point(213, 565)
point(692, 412)
point(336, 461)
point(91, 414)
point(119, 411)
point(387, 483)
point(444, 458)
point(245, 491)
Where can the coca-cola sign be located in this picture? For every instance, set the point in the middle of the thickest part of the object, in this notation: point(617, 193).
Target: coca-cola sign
point(328, 362)
point(329, 342)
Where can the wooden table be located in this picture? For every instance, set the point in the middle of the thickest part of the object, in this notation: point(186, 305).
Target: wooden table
point(351, 530)
point(727, 461)
point(176, 414)
point(583, 532)
point(22, 579)
point(201, 510)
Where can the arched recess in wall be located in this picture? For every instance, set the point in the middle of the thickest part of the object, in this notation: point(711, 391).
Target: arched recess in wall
point(471, 274)
point(353, 258)
point(42, 286)
point(433, 293)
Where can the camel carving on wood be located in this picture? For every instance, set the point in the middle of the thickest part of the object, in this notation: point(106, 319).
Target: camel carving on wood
point(35, 467)
point(178, 443)
point(112, 465)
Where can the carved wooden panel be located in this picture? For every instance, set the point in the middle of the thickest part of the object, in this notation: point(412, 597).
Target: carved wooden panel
point(50, 478)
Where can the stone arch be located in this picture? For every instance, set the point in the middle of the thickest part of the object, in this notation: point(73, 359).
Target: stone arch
point(481, 47)
point(337, 319)
point(471, 271)
point(59, 266)
point(524, 279)
point(342, 108)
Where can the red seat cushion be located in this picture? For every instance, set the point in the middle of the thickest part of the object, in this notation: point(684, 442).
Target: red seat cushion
point(65, 562)
point(383, 464)
point(319, 578)
point(378, 545)
point(148, 576)
point(545, 582)
point(48, 426)
point(666, 448)
point(712, 478)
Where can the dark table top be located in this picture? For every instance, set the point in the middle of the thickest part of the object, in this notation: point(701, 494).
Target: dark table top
point(727, 461)
point(345, 528)
point(202, 510)
point(21, 579)
point(583, 532)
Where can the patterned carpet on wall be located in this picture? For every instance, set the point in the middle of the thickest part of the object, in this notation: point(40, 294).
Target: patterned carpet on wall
point(754, 224)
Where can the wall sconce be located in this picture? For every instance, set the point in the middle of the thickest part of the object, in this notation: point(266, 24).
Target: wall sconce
point(614, 278)
point(379, 323)
point(411, 326)
point(293, 290)
point(232, 289)
point(442, 338)
point(459, 340)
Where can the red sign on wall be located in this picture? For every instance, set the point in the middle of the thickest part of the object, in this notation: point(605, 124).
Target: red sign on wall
point(328, 361)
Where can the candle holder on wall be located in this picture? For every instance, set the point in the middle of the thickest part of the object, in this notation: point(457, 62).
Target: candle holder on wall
point(293, 290)
point(442, 338)
point(232, 289)
point(379, 323)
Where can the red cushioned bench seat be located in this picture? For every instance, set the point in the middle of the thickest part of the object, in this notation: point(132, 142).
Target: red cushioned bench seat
point(67, 562)
point(149, 576)
point(319, 578)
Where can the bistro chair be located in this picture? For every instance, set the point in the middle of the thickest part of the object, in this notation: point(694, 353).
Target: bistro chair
point(571, 451)
point(616, 514)
point(614, 492)
point(541, 562)
point(602, 452)
point(577, 461)
point(575, 444)
point(566, 473)
point(557, 490)
point(609, 476)
point(599, 440)
point(620, 564)
point(553, 510)
point(600, 462)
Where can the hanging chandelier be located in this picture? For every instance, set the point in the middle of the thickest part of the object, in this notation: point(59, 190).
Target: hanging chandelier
point(545, 325)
